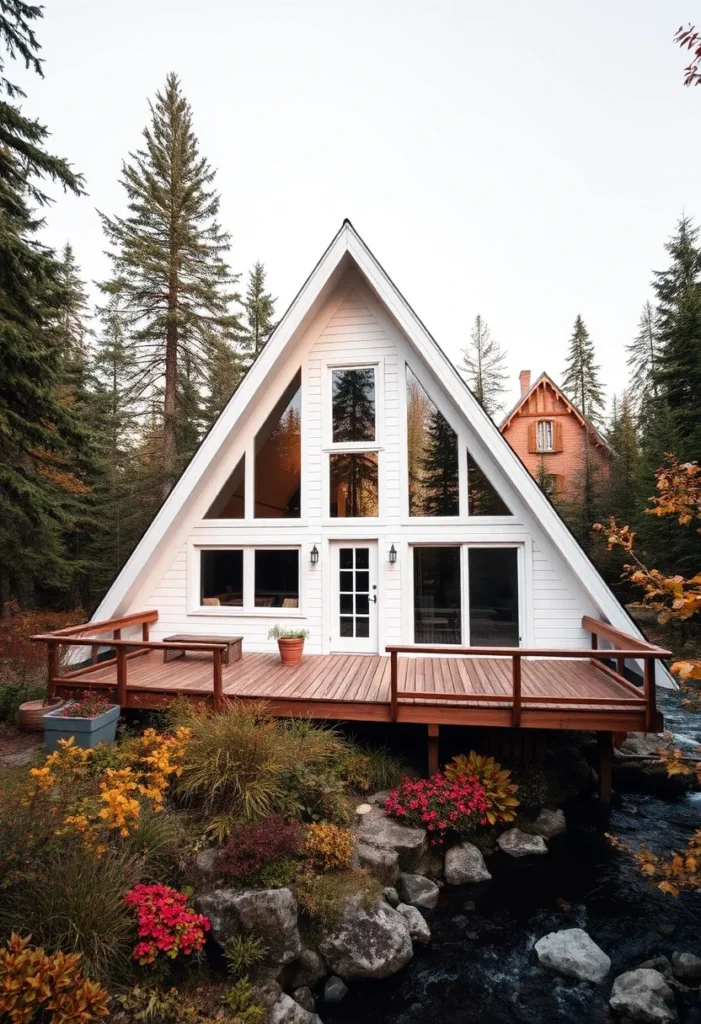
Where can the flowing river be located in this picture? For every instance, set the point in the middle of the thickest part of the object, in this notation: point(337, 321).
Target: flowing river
point(480, 964)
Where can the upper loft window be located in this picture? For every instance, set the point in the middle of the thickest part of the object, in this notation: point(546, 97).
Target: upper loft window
point(230, 503)
point(545, 435)
point(432, 447)
point(482, 497)
point(278, 458)
point(353, 405)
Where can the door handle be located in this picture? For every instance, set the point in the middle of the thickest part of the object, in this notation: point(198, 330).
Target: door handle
point(373, 598)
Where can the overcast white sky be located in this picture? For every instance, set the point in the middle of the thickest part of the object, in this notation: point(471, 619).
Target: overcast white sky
point(525, 161)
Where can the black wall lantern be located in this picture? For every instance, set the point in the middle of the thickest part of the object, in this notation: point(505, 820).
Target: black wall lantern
point(393, 554)
point(314, 556)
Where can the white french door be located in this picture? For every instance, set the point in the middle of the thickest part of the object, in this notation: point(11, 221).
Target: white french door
point(354, 596)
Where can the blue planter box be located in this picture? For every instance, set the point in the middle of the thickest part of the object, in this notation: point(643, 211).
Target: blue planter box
point(88, 732)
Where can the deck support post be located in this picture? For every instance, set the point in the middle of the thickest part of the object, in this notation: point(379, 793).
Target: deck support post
point(605, 744)
point(121, 655)
point(516, 707)
point(650, 694)
point(432, 749)
point(394, 702)
point(218, 696)
point(52, 670)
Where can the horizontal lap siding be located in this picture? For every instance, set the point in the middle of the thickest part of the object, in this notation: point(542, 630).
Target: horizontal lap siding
point(557, 613)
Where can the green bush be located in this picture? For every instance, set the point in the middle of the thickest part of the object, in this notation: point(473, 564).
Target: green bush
point(534, 790)
point(243, 954)
point(239, 999)
point(158, 1006)
point(14, 694)
point(158, 842)
point(322, 896)
point(277, 874)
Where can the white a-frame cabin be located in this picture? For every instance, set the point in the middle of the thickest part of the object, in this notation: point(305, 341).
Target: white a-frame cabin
point(353, 487)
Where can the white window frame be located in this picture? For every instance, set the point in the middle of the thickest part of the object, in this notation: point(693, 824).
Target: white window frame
point(545, 436)
point(248, 608)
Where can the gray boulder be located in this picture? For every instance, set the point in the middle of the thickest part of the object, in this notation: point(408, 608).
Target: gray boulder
point(381, 862)
point(643, 995)
point(418, 927)
point(334, 990)
point(269, 914)
point(379, 799)
point(367, 942)
point(660, 964)
point(520, 844)
point(410, 844)
point(304, 997)
point(686, 965)
point(418, 891)
point(206, 862)
point(464, 865)
point(571, 952)
point(390, 894)
point(287, 1011)
point(431, 864)
point(549, 823)
point(305, 971)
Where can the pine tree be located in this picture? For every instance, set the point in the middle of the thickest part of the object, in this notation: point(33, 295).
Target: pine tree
point(484, 368)
point(581, 378)
point(440, 468)
point(643, 359)
point(623, 497)
point(37, 431)
point(259, 307)
point(224, 373)
point(168, 262)
point(684, 269)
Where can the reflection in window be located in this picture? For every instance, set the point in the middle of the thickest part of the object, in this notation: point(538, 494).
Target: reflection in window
point(437, 605)
point(432, 446)
point(278, 452)
point(353, 405)
point(221, 578)
point(353, 485)
point(493, 597)
point(276, 578)
point(230, 503)
point(482, 499)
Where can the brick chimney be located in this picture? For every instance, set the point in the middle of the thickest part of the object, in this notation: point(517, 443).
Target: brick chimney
point(524, 379)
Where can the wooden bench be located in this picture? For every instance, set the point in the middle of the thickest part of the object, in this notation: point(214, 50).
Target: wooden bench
point(231, 654)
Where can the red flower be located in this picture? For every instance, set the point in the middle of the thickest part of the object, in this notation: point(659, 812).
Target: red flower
point(439, 805)
point(165, 922)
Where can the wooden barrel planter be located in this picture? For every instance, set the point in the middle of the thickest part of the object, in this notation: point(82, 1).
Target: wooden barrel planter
point(31, 713)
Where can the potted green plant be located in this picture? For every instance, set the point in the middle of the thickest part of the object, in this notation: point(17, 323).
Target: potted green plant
point(290, 643)
point(90, 719)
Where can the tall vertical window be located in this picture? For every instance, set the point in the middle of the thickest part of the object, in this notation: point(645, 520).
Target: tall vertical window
point(230, 503)
point(482, 498)
point(437, 598)
point(545, 435)
point(278, 458)
point(353, 485)
point(432, 447)
point(493, 574)
point(353, 405)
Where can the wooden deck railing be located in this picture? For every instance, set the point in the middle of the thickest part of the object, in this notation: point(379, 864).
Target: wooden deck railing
point(124, 650)
point(626, 647)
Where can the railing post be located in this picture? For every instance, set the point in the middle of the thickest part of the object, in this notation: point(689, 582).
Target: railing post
point(621, 666)
point(121, 655)
point(394, 703)
point(218, 693)
point(650, 694)
point(144, 631)
point(52, 669)
point(516, 710)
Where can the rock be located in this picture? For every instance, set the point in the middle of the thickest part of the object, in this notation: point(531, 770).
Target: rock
point(305, 971)
point(431, 864)
point(686, 965)
point(666, 928)
point(362, 809)
point(287, 1011)
point(206, 862)
point(658, 963)
point(381, 862)
point(549, 823)
point(367, 942)
point(379, 799)
point(464, 865)
point(269, 914)
point(21, 758)
point(643, 995)
point(418, 928)
point(418, 891)
point(304, 997)
point(637, 766)
point(391, 895)
point(571, 952)
point(334, 990)
point(520, 844)
point(376, 829)
point(469, 905)
point(266, 992)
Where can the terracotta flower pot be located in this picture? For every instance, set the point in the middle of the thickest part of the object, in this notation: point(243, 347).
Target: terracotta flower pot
point(31, 713)
point(291, 650)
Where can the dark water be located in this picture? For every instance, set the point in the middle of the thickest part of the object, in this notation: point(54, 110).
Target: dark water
point(480, 965)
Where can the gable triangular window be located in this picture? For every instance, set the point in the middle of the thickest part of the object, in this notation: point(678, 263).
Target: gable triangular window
point(230, 503)
point(432, 447)
point(278, 458)
point(482, 498)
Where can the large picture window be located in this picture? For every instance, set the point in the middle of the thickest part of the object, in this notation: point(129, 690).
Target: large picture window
point(249, 579)
point(278, 458)
point(432, 447)
point(437, 596)
point(353, 485)
point(276, 578)
point(221, 578)
point(353, 405)
point(493, 576)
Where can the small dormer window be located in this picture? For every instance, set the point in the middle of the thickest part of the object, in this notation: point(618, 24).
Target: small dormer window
point(544, 435)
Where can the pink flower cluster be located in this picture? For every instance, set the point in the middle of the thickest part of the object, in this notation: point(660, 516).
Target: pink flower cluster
point(439, 805)
point(88, 705)
point(166, 924)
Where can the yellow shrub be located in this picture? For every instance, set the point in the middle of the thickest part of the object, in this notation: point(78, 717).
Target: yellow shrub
point(32, 981)
point(500, 790)
point(328, 847)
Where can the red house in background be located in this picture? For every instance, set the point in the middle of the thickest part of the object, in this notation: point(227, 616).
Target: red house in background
point(550, 435)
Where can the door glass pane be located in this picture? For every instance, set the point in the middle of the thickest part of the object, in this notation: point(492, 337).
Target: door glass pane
point(362, 558)
point(221, 578)
point(437, 604)
point(278, 458)
point(346, 626)
point(362, 604)
point(276, 578)
point(362, 627)
point(482, 499)
point(346, 580)
point(345, 558)
point(354, 598)
point(353, 405)
point(362, 581)
point(353, 485)
point(432, 447)
point(346, 604)
point(493, 597)
point(230, 502)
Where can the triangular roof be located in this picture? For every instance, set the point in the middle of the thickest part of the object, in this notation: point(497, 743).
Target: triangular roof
point(347, 249)
point(545, 378)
